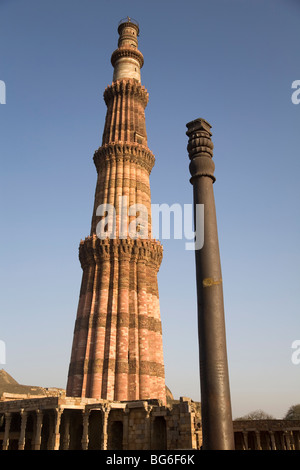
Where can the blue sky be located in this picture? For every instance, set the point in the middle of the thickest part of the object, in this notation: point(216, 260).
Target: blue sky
point(231, 62)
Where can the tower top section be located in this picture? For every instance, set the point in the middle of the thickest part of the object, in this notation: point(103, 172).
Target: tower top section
point(130, 22)
point(127, 60)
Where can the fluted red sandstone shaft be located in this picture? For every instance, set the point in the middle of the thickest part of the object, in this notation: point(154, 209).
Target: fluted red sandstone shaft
point(117, 349)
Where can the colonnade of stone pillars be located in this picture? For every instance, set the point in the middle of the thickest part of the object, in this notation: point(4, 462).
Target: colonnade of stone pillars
point(130, 426)
point(57, 435)
point(268, 439)
point(62, 428)
point(36, 435)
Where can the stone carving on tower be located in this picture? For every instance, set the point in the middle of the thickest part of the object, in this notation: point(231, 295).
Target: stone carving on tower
point(117, 351)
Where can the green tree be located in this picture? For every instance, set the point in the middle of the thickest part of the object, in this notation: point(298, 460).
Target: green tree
point(257, 414)
point(293, 412)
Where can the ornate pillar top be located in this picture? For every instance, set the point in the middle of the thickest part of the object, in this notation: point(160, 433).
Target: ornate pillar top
point(199, 124)
point(200, 145)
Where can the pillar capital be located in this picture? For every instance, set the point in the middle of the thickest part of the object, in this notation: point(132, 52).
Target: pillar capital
point(148, 408)
point(198, 125)
point(105, 408)
point(200, 149)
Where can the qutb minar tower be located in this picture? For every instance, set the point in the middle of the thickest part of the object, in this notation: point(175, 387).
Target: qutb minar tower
point(117, 351)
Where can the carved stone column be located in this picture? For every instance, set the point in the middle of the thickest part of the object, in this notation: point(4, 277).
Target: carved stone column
point(5, 444)
point(282, 440)
point(66, 432)
point(245, 440)
point(287, 436)
point(125, 428)
point(148, 427)
point(273, 442)
point(257, 443)
point(296, 440)
point(105, 411)
point(56, 434)
point(38, 430)
point(23, 430)
point(85, 432)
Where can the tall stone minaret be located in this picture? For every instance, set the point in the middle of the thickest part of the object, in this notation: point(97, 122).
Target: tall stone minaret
point(117, 351)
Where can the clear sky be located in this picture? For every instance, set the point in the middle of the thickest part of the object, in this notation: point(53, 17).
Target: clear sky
point(231, 62)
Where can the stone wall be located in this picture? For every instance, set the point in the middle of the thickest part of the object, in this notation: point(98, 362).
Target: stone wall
point(74, 423)
point(64, 423)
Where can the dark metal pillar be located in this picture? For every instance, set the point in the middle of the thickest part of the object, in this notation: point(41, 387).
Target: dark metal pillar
point(214, 377)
